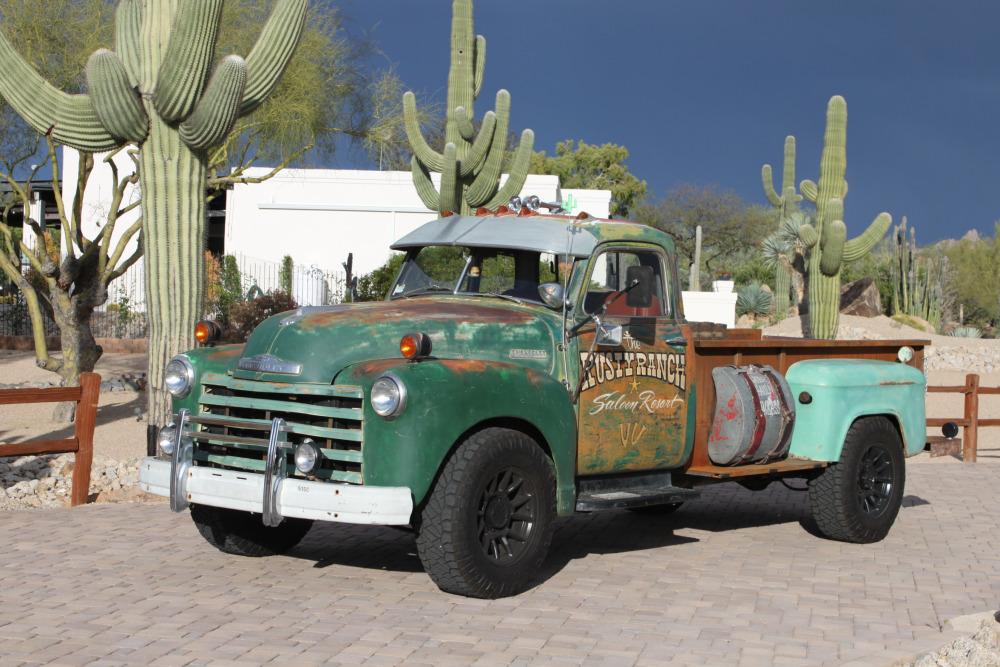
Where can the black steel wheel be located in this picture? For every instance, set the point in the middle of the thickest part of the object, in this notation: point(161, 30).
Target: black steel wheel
point(857, 498)
point(487, 524)
point(243, 533)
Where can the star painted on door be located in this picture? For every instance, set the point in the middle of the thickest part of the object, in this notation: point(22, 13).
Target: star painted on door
point(635, 385)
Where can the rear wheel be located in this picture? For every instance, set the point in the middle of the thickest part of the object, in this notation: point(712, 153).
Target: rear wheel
point(857, 498)
point(243, 534)
point(487, 525)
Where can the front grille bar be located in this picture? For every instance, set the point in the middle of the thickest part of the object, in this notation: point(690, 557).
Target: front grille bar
point(274, 472)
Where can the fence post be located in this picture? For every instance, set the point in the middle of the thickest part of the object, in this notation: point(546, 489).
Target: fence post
point(86, 418)
point(972, 418)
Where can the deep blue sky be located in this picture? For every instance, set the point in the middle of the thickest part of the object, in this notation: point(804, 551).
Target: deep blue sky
point(705, 91)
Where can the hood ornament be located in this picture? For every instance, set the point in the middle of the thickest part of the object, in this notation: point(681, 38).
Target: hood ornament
point(268, 363)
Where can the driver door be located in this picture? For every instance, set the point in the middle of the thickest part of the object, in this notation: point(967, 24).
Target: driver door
point(632, 408)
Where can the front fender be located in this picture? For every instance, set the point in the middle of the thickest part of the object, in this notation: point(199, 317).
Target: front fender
point(445, 399)
point(843, 390)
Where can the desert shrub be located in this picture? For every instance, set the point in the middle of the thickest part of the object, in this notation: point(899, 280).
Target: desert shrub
point(966, 332)
point(912, 322)
point(754, 300)
point(286, 274)
point(243, 317)
point(375, 286)
point(752, 269)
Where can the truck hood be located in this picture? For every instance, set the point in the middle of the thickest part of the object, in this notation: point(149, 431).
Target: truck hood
point(328, 339)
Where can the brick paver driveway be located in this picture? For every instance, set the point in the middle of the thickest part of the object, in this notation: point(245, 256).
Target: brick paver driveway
point(735, 578)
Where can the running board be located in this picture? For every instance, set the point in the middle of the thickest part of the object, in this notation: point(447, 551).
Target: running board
point(625, 491)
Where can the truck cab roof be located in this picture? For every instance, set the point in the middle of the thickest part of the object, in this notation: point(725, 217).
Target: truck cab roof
point(556, 234)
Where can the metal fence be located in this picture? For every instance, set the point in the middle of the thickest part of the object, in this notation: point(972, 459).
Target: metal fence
point(124, 313)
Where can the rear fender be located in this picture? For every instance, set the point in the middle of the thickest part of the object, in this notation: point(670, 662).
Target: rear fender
point(447, 398)
point(844, 390)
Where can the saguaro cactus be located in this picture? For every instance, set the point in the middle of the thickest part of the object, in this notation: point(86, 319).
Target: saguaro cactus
point(155, 91)
point(785, 204)
point(916, 282)
point(694, 279)
point(471, 162)
point(826, 239)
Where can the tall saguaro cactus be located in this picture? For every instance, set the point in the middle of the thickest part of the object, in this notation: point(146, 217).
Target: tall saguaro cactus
point(826, 239)
point(785, 204)
point(155, 90)
point(471, 162)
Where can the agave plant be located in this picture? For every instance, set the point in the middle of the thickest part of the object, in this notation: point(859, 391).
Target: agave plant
point(966, 332)
point(754, 300)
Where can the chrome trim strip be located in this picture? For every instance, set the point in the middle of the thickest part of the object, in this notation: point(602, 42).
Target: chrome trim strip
point(268, 363)
point(274, 472)
point(180, 465)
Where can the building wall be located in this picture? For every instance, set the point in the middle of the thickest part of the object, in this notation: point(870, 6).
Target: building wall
point(317, 216)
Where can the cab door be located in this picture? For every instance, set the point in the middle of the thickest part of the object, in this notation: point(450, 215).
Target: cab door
point(632, 407)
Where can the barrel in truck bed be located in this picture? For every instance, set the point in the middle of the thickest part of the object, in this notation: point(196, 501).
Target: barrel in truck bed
point(710, 346)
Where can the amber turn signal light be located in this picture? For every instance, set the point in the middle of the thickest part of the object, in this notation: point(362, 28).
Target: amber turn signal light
point(415, 346)
point(207, 332)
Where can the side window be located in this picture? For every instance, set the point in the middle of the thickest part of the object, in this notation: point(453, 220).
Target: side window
point(608, 279)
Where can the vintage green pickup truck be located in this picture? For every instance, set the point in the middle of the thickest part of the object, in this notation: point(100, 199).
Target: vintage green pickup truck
point(524, 366)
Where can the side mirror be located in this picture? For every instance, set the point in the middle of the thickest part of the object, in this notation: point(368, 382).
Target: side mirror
point(640, 296)
point(609, 335)
point(552, 295)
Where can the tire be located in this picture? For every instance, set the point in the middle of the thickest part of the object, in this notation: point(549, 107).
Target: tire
point(243, 534)
point(487, 524)
point(656, 510)
point(857, 498)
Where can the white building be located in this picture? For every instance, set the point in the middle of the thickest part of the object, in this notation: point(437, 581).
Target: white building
point(316, 216)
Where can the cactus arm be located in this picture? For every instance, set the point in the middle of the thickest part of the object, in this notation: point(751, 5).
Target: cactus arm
point(218, 107)
point(487, 181)
point(424, 185)
point(128, 28)
point(480, 147)
point(861, 245)
point(450, 197)
point(834, 211)
point(518, 171)
point(465, 126)
point(274, 48)
point(421, 149)
point(189, 54)
point(479, 65)
point(844, 196)
point(69, 119)
point(832, 253)
point(809, 190)
point(788, 171)
point(808, 235)
point(767, 180)
point(115, 101)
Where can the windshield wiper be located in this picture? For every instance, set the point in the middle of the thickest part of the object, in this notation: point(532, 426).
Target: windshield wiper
point(432, 289)
point(509, 297)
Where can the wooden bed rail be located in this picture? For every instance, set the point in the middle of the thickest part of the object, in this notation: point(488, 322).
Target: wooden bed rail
point(82, 443)
point(970, 421)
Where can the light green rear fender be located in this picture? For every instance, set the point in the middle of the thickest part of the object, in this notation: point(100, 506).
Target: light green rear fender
point(445, 399)
point(843, 390)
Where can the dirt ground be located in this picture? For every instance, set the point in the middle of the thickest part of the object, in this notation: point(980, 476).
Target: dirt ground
point(121, 431)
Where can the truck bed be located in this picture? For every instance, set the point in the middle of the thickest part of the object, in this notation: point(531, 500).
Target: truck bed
point(710, 346)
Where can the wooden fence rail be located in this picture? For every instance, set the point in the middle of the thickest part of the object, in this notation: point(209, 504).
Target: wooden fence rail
point(970, 421)
point(82, 443)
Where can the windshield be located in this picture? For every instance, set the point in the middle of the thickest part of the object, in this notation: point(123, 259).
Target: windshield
point(476, 271)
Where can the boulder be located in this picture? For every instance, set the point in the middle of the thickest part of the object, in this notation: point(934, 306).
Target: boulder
point(861, 298)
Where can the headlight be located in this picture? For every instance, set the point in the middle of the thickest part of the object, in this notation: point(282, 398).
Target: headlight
point(167, 438)
point(306, 456)
point(905, 354)
point(178, 376)
point(388, 396)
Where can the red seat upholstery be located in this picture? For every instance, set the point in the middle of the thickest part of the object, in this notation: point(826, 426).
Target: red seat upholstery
point(619, 307)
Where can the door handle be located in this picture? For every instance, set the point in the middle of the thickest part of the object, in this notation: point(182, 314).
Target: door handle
point(679, 341)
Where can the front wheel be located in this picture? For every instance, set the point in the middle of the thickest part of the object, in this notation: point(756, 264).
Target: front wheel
point(857, 498)
point(487, 525)
point(243, 534)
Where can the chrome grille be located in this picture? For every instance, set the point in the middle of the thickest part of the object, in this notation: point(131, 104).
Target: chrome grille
point(234, 417)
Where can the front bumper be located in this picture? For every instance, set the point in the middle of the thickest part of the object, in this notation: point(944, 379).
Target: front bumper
point(293, 498)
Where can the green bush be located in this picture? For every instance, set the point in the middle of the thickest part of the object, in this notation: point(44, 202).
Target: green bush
point(967, 332)
point(375, 286)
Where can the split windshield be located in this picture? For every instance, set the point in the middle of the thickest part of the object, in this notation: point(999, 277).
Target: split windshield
point(475, 271)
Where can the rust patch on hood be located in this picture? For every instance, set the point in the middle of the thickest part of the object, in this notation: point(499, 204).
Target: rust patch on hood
point(377, 366)
point(467, 365)
point(420, 309)
point(225, 352)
